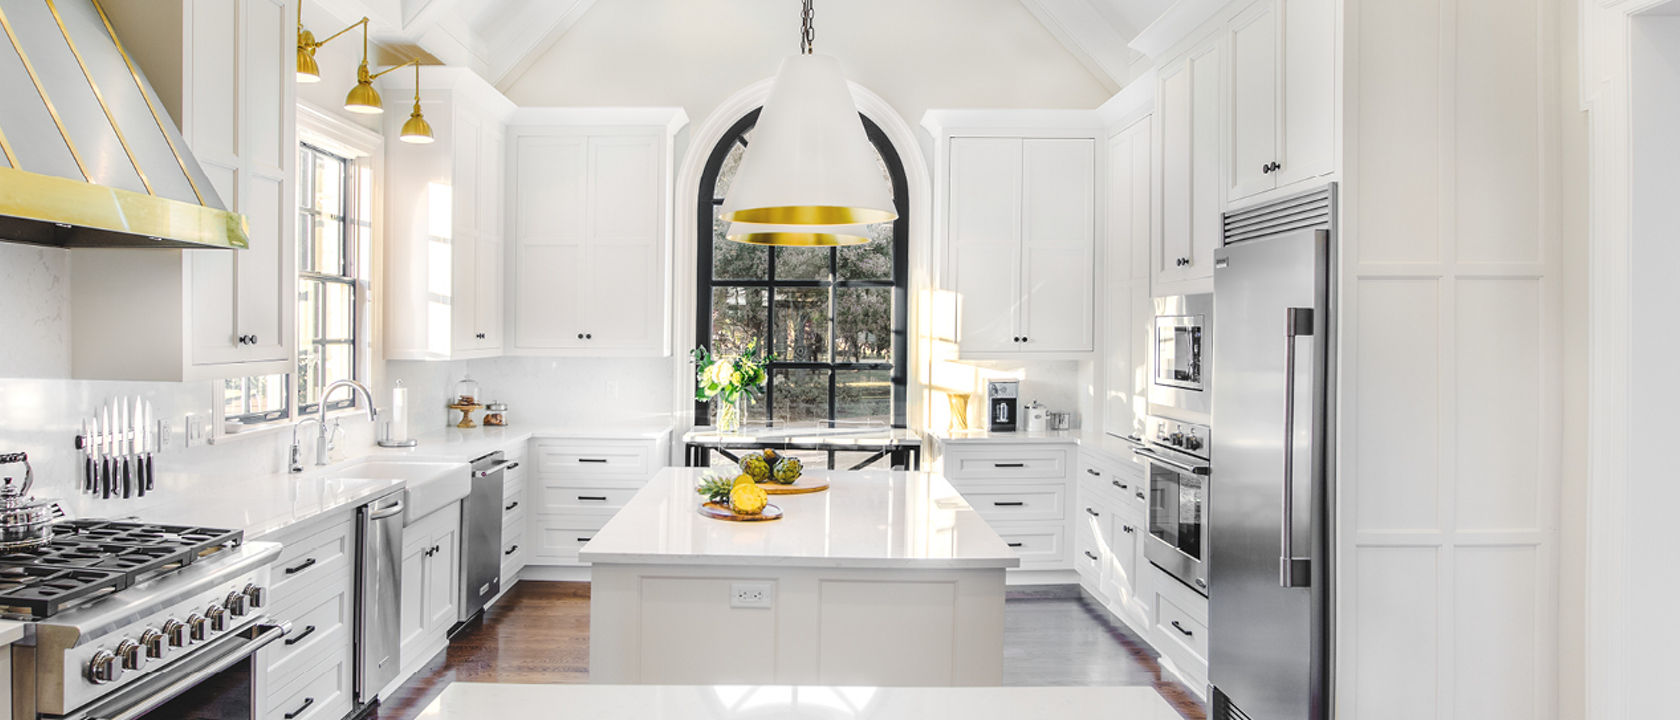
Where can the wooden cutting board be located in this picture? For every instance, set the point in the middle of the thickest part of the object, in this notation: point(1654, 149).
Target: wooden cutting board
point(722, 512)
point(805, 484)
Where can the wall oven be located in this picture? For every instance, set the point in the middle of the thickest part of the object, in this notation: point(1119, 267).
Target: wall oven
point(1179, 493)
point(1181, 353)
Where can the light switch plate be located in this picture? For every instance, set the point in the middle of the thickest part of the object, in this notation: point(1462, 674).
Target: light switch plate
point(752, 595)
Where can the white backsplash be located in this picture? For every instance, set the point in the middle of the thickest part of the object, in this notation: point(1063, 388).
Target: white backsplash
point(539, 391)
point(34, 311)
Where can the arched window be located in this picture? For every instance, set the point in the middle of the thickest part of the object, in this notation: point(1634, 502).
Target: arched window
point(836, 318)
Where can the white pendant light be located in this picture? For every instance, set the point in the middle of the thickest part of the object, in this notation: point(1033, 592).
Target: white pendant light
point(798, 235)
point(810, 162)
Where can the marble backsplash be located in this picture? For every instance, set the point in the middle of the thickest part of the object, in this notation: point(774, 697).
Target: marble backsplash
point(34, 311)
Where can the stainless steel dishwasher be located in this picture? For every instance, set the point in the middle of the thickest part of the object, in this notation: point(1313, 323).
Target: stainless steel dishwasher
point(379, 543)
point(481, 524)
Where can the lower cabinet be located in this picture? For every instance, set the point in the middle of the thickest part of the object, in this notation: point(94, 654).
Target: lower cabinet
point(515, 503)
point(576, 486)
point(308, 674)
point(1025, 491)
point(431, 582)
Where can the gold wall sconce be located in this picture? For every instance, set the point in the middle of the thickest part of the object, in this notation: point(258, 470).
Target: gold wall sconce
point(363, 98)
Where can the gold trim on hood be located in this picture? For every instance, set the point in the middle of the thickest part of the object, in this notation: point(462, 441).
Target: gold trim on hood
point(154, 221)
point(29, 67)
point(100, 98)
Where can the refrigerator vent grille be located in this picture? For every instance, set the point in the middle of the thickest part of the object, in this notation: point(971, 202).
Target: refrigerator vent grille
point(1232, 712)
point(1299, 212)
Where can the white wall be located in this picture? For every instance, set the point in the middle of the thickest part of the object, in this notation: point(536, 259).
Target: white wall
point(541, 391)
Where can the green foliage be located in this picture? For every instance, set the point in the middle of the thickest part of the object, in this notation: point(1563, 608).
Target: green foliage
point(728, 378)
point(716, 488)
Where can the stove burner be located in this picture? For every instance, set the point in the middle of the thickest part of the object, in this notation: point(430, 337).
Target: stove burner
point(88, 559)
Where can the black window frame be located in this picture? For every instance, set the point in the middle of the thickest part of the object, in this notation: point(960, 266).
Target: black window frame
point(349, 276)
point(706, 206)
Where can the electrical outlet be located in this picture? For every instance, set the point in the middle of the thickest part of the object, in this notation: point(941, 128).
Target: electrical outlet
point(751, 595)
point(198, 430)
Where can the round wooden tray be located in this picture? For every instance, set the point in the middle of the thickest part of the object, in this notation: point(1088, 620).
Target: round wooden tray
point(805, 484)
point(722, 512)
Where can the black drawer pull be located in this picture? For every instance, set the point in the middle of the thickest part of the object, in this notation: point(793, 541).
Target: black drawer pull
point(1181, 629)
point(1009, 465)
point(1008, 503)
point(1014, 544)
point(305, 706)
point(295, 639)
point(305, 565)
point(1092, 513)
point(1140, 495)
point(1090, 554)
point(1092, 472)
point(511, 550)
point(596, 498)
point(511, 506)
point(583, 540)
point(1128, 528)
point(599, 461)
point(511, 466)
point(1121, 485)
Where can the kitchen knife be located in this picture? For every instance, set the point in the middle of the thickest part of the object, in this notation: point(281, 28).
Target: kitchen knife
point(148, 426)
point(136, 445)
point(90, 470)
point(122, 448)
point(105, 451)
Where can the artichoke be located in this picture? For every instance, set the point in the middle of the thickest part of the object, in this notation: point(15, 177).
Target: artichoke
point(788, 470)
point(756, 465)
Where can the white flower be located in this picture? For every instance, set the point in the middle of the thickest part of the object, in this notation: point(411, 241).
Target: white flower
point(720, 373)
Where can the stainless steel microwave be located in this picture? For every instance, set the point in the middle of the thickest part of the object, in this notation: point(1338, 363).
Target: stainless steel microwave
point(1181, 352)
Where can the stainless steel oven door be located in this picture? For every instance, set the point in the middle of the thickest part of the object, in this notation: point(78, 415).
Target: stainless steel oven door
point(1181, 353)
point(218, 682)
point(1178, 530)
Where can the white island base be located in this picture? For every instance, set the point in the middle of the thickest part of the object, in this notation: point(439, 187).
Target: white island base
point(886, 579)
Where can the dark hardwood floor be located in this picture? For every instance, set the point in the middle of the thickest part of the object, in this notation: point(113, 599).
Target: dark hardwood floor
point(539, 633)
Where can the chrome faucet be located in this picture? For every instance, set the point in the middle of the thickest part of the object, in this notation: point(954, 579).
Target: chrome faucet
point(323, 438)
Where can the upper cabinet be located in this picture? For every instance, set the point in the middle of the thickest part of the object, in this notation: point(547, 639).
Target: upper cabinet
point(443, 214)
point(1283, 94)
point(1189, 117)
point(223, 71)
point(1126, 306)
point(1019, 224)
point(591, 231)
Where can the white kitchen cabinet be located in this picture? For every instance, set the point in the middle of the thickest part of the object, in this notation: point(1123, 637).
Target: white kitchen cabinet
point(444, 237)
point(1021, 232)
point(1111, 525)
point(591, 231)
point(313, 590)
point(1026, 492)
point(223, 71)
point(1189, 116)
point(1126, 306)
point(576, 485)
point(1282, 95)
point(431, 583)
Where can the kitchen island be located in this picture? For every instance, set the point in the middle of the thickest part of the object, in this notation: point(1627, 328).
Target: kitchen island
point(887, 578)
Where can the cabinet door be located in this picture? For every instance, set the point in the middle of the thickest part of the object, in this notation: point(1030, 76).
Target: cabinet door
point(548, 236)
point(1175, 132)
point(264, 271)
point(1057, 244)
point(413, 616)
point(1309, 90)
point(1254, 107)
point(443, 579)
point(463, 291)
point(487, 293)
point(624, 284)
point(1207, 203)
point(1128, 231)
point(984, 233)
point(210, 125)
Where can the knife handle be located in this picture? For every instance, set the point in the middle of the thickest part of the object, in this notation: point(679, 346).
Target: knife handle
point(92, 474)
point(105, 477)
point(150, 470)
point(127, 478)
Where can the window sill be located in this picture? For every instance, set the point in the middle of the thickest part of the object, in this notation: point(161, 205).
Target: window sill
point(270, 428)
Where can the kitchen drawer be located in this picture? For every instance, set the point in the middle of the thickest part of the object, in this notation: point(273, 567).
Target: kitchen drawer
point(310, 560)
point(513, 483)
point(1004, 503)
point(559, 497)
point(595, 458)
point(1180, 636)
point(514, 553)
point(326, 695)
point(555, 540)
point(513, 504)
point(1008, 464)
point(1040, 546)
point(1088, 555)
point(320, 629)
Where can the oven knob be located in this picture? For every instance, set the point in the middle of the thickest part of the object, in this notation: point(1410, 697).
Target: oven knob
point(175, 632)
point(1177, 439)
point(153, 641)
point(132, 655)
point(235, 603)
point(256, 596)
point(103, 668)
point(1192, 443)
point(197, 627)
point(218, 617)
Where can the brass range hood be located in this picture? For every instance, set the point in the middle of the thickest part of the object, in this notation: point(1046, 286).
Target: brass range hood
point(88, 155)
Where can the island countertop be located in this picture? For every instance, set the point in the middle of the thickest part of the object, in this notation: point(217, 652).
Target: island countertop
point(867, 519)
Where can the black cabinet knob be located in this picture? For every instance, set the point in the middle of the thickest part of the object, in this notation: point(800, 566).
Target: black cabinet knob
point(589, 336)
point(580, 336)
point(479, 336)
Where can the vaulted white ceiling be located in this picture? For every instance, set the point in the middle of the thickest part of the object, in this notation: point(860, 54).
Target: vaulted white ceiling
point(498, 38)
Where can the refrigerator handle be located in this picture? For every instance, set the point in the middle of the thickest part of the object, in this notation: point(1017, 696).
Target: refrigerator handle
point(1292, 571)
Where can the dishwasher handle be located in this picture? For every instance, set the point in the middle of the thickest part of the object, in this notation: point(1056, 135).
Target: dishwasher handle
point(385, 512)
point(493, 469)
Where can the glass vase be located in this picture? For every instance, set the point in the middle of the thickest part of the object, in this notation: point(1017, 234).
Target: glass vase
point(730, 415)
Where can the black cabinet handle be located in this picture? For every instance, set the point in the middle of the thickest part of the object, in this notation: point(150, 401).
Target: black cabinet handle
point(584, 540)
point(1014, 544)
point(1025, 339)
point(1008, 503)
point(479, 336)
point(1181, 629)
point(1090, 554)
point(305, 706)
point(511, 506)
point(1128, 528)
point(580, 336)
point(511, 550)
point(295, 639)
point(1092, 472)
point(1009, 465)
point(598, 461)
point(1118, 484)
point(305, 565)
point(595, 498)
point(1140, 495)
point(511, 466)
point(1092, 513)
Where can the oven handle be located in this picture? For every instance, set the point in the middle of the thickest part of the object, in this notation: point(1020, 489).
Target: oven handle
point(1156, 457)
point(156, 689)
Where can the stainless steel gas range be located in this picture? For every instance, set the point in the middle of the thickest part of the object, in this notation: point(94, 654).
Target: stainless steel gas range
point(131, 620)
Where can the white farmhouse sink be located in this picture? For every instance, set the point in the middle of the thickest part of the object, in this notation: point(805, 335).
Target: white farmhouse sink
point(430, 485)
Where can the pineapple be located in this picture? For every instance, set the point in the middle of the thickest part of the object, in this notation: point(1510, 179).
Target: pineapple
point(748, 499)
point(716, 488)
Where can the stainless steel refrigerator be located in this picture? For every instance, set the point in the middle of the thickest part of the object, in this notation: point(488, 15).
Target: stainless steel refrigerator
point(1269, 565)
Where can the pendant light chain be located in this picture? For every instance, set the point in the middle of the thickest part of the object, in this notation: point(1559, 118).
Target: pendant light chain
point(808, 31)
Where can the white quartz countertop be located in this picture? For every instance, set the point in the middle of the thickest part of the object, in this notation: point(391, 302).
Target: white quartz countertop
point(987, 436)
point(473, 701)
point(263, 505)
point(457, 445)
point(867, 519)
point(11, 631)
